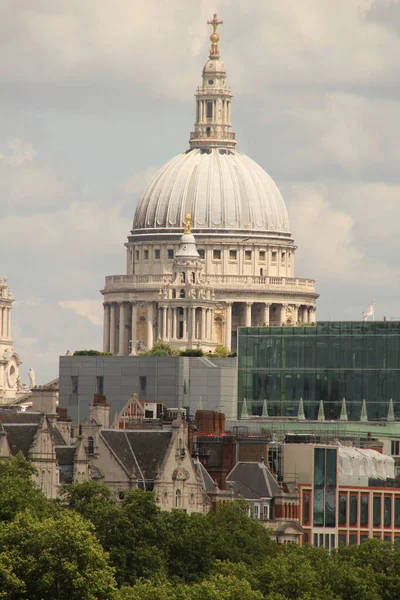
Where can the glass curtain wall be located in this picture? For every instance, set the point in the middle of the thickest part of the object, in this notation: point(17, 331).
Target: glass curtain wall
point(329, 361)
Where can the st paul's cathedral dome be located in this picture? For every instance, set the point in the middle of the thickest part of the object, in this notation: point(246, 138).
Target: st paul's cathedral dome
point(240, 269)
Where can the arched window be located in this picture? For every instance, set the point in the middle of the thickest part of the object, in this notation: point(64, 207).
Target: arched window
point(182, 294)
point(178, 499)
point(183, 278)
point(192, 277)
point(174, 293)
point(90, 445)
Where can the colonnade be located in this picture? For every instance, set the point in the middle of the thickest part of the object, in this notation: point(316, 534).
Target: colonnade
point(178, 323)
point(5, 322)
point(186, 323)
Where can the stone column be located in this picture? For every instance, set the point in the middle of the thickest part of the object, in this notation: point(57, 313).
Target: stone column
point(1, 321)
point(283, 313)
point(159, 323)
point(193, 331)
point(165, 319)
point(113, 328)
point(312, 314)
point(106, 328)
point(305, 314)
point(203, 324)
point(228, 325)
point(170, 322)
point(173, 324)
point(296, 313)
point(266, 314)
point(121, 341)
point(210, 324)
point(133, 328)
point(9, 322)
point(150, 319)
point(248, 314)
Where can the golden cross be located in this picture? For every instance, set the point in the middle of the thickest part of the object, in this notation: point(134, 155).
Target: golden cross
point(214, 37)
point(188, 223)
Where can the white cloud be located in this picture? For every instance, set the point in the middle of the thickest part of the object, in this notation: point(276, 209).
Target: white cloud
point(90, 309)
point(137, 183)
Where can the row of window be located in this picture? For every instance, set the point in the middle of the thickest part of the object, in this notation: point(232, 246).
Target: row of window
point(216, 254)
point(100, 384)
point(327, 540)
point(358, 510)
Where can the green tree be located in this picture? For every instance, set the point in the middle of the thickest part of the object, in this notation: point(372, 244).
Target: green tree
point(57, 558)
point(236, 538)
point(161, 349)
point(18, 491)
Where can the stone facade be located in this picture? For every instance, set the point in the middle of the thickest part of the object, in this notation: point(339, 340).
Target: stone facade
point(11, 386)
point(243, 271)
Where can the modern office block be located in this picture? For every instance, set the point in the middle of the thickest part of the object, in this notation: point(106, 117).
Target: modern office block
point(321, 364)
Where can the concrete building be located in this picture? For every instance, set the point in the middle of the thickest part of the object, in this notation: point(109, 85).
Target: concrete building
point(174, 381)
point(242, 271)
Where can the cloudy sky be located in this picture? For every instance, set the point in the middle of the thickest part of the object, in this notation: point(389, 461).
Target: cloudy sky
point(95, 95)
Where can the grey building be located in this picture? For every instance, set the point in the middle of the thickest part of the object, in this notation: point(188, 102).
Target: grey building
point(175, 381)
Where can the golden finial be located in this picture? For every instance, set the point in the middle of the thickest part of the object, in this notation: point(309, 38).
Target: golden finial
point(214, 37)
point(188, 223)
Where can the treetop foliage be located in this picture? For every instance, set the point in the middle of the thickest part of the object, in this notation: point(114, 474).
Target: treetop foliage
point(89, 546)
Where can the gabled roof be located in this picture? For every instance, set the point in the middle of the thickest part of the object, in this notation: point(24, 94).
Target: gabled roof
point(254, 478)
point(140, 452)
point(206, 479)
point(20, 437)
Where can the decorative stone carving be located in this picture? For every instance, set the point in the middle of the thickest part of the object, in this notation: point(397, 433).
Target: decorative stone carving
point(180, 474)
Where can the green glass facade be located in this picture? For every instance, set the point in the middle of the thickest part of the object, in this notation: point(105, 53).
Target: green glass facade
point(329, 361)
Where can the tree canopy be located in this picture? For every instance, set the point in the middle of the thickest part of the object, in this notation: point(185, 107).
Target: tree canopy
point(88, 545)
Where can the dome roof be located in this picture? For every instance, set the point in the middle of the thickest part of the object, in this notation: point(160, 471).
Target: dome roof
point(224, 192)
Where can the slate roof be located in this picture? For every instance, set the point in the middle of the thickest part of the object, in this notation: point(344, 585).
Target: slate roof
point(255, 479)
point(140, 452)
point(207, 480)
point(17, 416)
point(20, 437)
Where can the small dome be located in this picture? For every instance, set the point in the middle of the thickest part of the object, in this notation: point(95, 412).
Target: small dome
point(214, 66)
point(224, 191)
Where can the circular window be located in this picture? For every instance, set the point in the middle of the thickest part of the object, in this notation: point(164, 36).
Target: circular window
point(210, 82)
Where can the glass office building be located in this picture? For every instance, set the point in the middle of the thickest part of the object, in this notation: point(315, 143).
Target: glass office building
point(328, 361)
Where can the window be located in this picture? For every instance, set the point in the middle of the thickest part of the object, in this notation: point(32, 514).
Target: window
point(178, 499)
point(363, 538)
point(283, 256)
point(397, 511)
point(377, 511)
point(305, 538)
point(137, 254)
point(182, 294)
point(256, 511)
point(342, 509)
point(217, 254)
point(74, 384)
point(146, 254)
point(342, 539)
point(202, 253)
point(209, 109)
point(247, 255)
point(100, 384)
point(306, 507)
point(266, 512)
point(387, 538)
point(143, 384)
point(261, 255)
point(90, 447)
point(395, 448)
point(232, 254)
point(157, 254)
point(170, 254)
point(364, 510)
point(324, 509)
point(353, 539)
point(387, 511)
point(273, 256)
point(353, 510)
